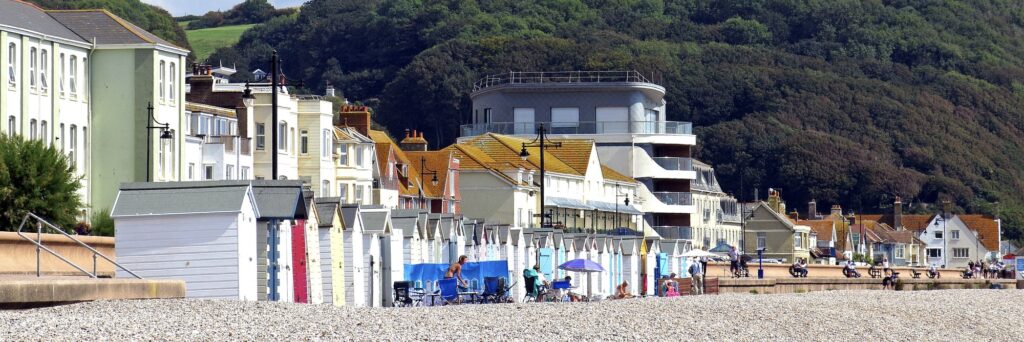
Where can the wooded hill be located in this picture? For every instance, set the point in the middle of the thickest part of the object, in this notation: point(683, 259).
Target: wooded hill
point(844, 101)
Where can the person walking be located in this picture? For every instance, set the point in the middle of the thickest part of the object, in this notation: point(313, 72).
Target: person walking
point(734, 265)
point(697, 276)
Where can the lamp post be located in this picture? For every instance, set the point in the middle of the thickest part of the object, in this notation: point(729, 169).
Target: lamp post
point(424, 170)
point(945, 258)
point(625, 201)
point(273, 114)
point(165, 134)
point(540, 142)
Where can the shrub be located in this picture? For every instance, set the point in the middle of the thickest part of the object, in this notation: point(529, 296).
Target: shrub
point(102, 224)
point(36, 178)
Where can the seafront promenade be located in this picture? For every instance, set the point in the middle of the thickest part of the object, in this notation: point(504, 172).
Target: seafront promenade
point(943, 315)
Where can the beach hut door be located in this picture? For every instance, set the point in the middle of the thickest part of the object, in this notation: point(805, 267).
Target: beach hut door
point(544, 259)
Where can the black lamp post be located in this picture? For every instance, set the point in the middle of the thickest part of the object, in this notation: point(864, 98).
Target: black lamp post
point(425, 170)
point(273, 114)
point(626, 202)
point(540, 142)
point(165, 134)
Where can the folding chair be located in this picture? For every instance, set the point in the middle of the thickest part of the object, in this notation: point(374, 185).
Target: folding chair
point(449, 291)
point(402, 295)
point(531, 289)
point(491, 288)
point(561, 286)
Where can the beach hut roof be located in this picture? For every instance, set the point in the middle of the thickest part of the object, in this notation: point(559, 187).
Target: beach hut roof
point(169, 198)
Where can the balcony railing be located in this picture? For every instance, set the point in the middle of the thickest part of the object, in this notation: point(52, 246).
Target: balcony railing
point(531, 77)
point(581, 127)
point(229, 143)
point(674, 198)
point(674, 163)
point(674, 232)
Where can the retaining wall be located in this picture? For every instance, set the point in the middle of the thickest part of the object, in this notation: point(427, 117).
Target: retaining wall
point(18, 256)
point(793, 285)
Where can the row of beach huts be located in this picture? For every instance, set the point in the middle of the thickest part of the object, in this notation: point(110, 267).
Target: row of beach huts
point(272, 240)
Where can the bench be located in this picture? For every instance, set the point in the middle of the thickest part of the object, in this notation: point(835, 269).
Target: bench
point(849, 273)
point(915, 274)
point(875, 272)
point(933, 275)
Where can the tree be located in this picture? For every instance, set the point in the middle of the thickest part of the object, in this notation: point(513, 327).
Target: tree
point(39, 179)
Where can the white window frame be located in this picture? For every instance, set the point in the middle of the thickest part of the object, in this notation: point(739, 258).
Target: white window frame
point(191, 171)
point(954, 234)
point(60, 74)
point(565, 117)
point(245, 173)
point(171, 84)
point(343, 192)
point(44, 84)
point(163, 82)
point(325, 144)
point(899, 253)
point(261, 136)
point(32, 60)
point(325, 188)
point(208, 171)
point(72, 76)
point(343, 154)
point(762, 240)
point(73, 145)
point(928, 252)
point(966, 253)
point(938, 235)
point(33, 129)
point(304, 142)
point(230, 173)
point(44, 132)
point(12, 64)
point(282, 138)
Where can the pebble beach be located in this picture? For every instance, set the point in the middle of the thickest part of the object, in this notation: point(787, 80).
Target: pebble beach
point(989, 315)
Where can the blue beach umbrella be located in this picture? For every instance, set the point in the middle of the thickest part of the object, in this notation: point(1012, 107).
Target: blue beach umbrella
point(581, 265)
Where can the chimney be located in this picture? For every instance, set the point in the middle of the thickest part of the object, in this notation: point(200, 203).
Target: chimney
point(837, 210)
point(947, 208)
point(329, 92)
point(794, 215)
point(357, 117)
point(415, 142)
point(897, 213)
point(812, 210)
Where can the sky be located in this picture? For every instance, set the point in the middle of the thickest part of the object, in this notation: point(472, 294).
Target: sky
point(199, 7)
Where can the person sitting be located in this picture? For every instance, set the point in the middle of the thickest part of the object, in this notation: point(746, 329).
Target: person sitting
point(573, 297)
point(799, 269)
point(622, 291)
point(933, 272)
point(851, 270)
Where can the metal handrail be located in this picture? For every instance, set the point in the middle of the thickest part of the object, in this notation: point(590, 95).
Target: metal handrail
point(39, 246)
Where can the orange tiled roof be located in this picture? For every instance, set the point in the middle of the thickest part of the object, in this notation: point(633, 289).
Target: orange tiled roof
point(437, 161)
point(472, 158)
point(386, 147)
point(910, 222)
point(505, 149)
point(610, 174)
point(985, 225)
point(823, 228)
point(575, 153)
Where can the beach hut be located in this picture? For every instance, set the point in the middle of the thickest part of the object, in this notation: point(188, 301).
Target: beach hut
point(670, 248)
point(546, 254)
point(280, 203)
point(355, 269)
point(306, 254)
point(405, 222)
point(517, 246)
point(602, 247)
point(383, 253)
point(474, 241)
point(653, 261)
point(630, 251)
point(434, 240)
point(201, 232)
point(332, 256)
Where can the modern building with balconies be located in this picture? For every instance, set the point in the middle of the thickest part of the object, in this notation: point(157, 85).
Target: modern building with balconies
point(623, 112)
point(717, 221)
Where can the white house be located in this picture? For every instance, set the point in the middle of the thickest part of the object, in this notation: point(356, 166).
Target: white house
point(214, 150)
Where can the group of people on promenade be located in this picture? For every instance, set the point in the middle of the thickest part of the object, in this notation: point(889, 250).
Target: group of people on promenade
point(985, 270)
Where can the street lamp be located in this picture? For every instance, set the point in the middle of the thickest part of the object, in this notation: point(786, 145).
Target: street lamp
point(425, 170)
point(165, 134)
point(626, 202)
point(273, 115)
point(540, 142)
point(248, 99)
point(945, 258)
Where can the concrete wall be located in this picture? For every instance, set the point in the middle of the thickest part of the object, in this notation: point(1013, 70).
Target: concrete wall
point(721, 269)
point(794, 285)
point(18, 256)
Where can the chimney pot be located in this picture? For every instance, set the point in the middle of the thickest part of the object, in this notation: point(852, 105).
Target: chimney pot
point(407, 133)
point(897, 213)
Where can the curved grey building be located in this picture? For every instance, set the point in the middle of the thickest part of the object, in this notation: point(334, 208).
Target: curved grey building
point(622, 111)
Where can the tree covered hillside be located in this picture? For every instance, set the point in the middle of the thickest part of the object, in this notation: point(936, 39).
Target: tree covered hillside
point(844, 101)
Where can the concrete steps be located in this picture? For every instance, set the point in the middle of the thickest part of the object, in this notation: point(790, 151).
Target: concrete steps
point(30, 291)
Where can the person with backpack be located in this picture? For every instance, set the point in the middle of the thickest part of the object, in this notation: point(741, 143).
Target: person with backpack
point(697, 276)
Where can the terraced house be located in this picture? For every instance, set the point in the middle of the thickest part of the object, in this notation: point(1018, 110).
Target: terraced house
point(68, 74)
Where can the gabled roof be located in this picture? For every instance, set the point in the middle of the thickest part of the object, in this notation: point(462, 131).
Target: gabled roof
point(106, 28)
point(350, 214)
point(575, 153)
point(28, 16)
point(279, 199)
point(985, 225)
point(436, 161)
point(611, 174)
point(503, 149)
point(349, 134)
point(376, 220)
point(176, 198)
point(823, 228)
point(407, 221)
point(867, 230)
point(910, 222)
point(326, 210)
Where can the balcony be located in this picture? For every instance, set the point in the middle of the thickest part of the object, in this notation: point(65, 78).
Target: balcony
point(229, 143)
point(528, 77)
point(674, 198)
point(674, 232)
point(674, 163)
point(582, 127)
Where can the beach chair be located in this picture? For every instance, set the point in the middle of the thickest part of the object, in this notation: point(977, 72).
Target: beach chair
point(562, 286)
point(402, 295)
point(531, 289)
point(492, 287)
point(449, 291)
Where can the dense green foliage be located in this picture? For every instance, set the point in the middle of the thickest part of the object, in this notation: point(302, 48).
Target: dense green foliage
point(205, 41)
point(246, 12)
point(844, 101)
point(101, 223)
point(36, 178)
point(154, 19)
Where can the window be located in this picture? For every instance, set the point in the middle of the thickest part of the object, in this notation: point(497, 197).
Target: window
point(160, 157)
point(245, 173)
point(62, 137)
point(261, 136)
point(43, 66)
point(938, 234)
point(73, 145)
point(60, 74)
point(343, 192)
point(72, 73)
point(291, 135)
point(170, 85)
point(359, 156)
point(44, 134)
point(32, 129)
point(12, 60)
point(954, 234)
point(208, 172)
point(230, 174)
point(12, 125)
point(163, 76)
point(282, 136)
point(325, 188)
point(798, 241)
point(613, 119)
point(565, 117)
point(191, 171)
point(960, 253)
point(304, 141)
point(85, 77)
point(32, 68)
point(359, 194)
point(487, 115)
point(899, 252)
point(934, 253)
point(343, 154)
point(85, 149)
point(761, 240)
point(325, 144)
point(524, 118)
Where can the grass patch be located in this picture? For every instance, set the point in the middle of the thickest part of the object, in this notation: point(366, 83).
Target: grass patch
point(205, 41)
point(184, 23)
point(800, 291)
point(753, 291)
